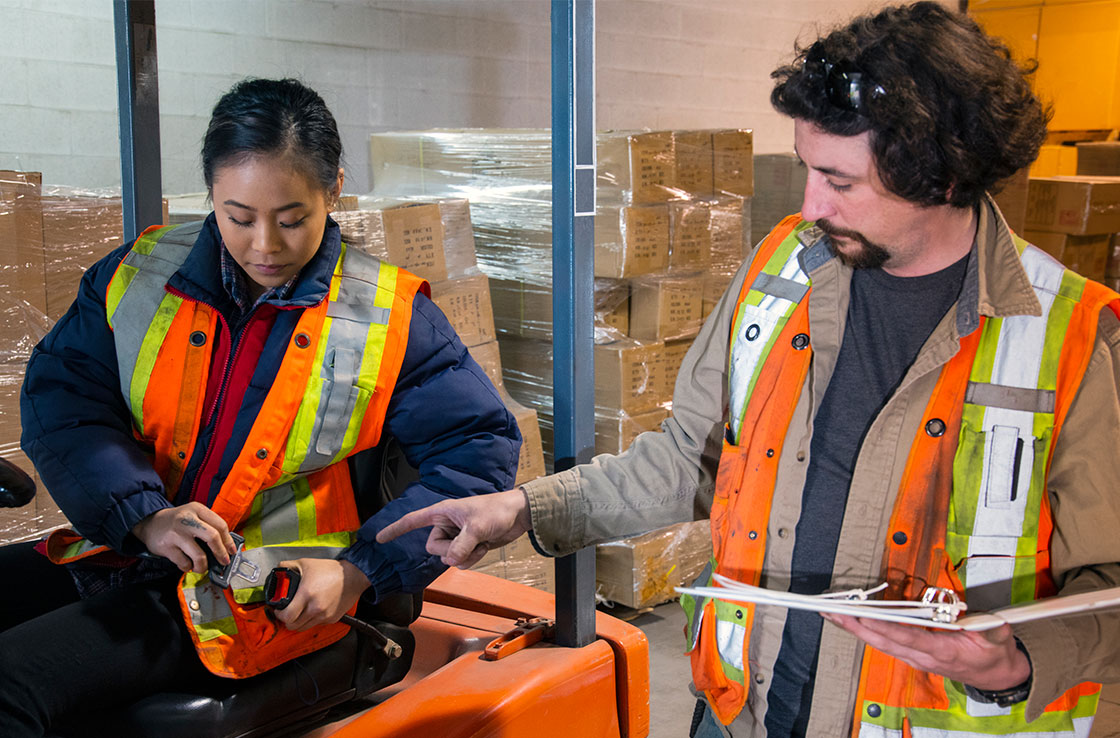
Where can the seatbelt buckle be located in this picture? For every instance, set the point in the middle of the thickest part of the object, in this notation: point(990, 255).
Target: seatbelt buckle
point(280, 587)
point(220, 574)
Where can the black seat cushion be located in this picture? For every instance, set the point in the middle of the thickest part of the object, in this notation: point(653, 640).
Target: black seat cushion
point(299, 692)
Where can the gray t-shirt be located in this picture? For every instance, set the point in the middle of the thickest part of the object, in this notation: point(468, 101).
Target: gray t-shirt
point(889, 319)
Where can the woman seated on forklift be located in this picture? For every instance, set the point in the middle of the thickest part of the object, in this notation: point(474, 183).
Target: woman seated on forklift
point(218, 378)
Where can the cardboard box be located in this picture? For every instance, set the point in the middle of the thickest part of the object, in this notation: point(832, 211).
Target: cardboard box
point(530, 462)
point(490, 359)
point(690, 236)
point(520, 562)
point(433, 240)
point(612, 309)
point(1112, 269)
point(614, 432)
point(666, 307)
point(730, 232)
point(77, 231)
point(1086, 255)
point(714, 287)
point(1012, 199)
point(629, 376)
point(643, 571)
point(1074, 205)
point(466, 303)
point(631, 241)
point(672, 358)
point(639, 166)
point(23, 275)
point(694, 162)
point(1098, 158)
point(524, 309)
point(733, 169)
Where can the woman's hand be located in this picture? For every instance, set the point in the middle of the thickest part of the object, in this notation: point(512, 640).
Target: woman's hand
point(328, 588)
point(178, 534)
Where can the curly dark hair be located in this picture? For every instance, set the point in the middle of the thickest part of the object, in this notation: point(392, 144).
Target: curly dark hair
point(950, 113)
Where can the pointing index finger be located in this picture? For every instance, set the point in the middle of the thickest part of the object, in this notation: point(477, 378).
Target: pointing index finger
point(412, 521)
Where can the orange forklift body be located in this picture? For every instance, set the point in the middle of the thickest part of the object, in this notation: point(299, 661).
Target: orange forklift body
point(531, 688)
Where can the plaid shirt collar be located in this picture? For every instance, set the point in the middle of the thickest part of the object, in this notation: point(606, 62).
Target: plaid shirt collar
point(234, 280)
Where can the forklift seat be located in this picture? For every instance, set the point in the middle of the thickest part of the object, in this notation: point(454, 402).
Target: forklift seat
point(299, 692)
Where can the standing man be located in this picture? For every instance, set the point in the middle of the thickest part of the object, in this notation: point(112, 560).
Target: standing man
point(895, 388)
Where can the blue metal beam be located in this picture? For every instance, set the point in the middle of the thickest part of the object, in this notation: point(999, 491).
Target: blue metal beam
point(138, 106)
point(573, 262)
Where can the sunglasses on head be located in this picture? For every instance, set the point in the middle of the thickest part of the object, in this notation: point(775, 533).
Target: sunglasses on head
point(847, 86)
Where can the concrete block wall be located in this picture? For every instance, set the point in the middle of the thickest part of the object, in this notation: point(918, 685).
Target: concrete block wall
point(387, 65)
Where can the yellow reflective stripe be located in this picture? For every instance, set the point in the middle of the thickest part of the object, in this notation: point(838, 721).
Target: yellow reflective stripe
point(149, 352)
point(117, 287)
point(305, 510)
point(216, 629)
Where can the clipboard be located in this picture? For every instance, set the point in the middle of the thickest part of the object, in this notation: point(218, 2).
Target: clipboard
point(936, 610)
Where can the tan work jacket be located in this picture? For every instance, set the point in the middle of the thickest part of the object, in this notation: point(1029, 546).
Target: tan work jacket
point(668, 477)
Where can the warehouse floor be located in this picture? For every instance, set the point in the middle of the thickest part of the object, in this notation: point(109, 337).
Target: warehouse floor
point(671, 704)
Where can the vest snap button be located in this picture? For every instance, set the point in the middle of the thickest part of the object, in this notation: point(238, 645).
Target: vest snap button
point(182, 455)
point(801, 341)
point(753, 331)
point(738, 614)
point(198, 338)
point(769, 453)
point(262, 453)
point(752, 535)
point(935, 428)
point(195, 605)
point(899, 537)
point(800, 455)
point(759, 679)
point(783, 532)
point(874, 710)
point(303, 340)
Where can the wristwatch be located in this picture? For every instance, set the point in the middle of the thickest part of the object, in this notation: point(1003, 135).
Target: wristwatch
point(1005, 697)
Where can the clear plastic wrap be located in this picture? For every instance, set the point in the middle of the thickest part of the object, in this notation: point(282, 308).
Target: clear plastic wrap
point(671, 228)
point(520, 562)
point(642, 571)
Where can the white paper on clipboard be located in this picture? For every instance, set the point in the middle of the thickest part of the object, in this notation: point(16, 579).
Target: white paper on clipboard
point(911, 612)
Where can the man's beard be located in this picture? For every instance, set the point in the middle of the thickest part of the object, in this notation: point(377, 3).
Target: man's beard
point(869, 256)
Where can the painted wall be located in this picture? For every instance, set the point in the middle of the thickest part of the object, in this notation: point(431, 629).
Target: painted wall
point(387, 66)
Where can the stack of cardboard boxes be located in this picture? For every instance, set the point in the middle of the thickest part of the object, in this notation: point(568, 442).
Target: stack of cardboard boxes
point(672, 225)
point(1073, 218)
point(49, 237)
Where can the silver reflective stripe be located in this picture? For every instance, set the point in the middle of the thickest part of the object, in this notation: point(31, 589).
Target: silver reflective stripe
point(975, 708)
point(1012, 398)
point(786, 289)
point(757, 327)
point(346, 341)
point(359, 313)
point(704, 579)
point(729, 640)
point(206, 604)
point(1009, 439)
point(256, 563)
point(870, 730)
point(278, 515)
point(343, 365)
point(1081, 728)
point(137, 307)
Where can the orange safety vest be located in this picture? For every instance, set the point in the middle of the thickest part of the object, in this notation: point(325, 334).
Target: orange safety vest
point(289, 492)
point(972, 502)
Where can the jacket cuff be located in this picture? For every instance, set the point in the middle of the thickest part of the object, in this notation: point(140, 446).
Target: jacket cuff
point(555, 507)
point(122, 518)
point(383, 578)
point(1048, 644)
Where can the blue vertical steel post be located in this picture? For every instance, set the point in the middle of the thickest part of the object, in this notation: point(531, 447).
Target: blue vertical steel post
point(138, 105)
point(573, 262)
